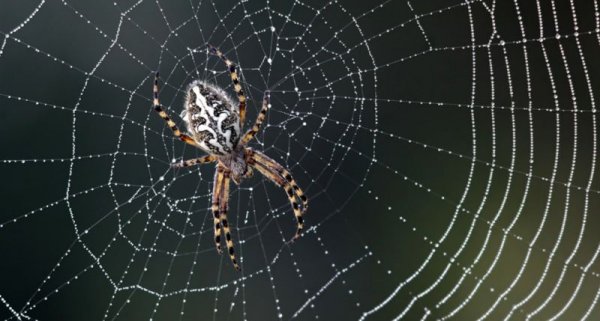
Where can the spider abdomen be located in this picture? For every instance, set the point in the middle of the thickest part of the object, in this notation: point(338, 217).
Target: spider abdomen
point(211, 118)
point(215, 125)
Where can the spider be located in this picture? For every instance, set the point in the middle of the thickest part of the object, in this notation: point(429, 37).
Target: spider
point(215, 126)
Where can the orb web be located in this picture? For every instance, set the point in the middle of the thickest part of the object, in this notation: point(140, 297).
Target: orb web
point(448, 151)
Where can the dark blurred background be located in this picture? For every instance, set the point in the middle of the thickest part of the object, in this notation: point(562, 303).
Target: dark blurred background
point(448, 150)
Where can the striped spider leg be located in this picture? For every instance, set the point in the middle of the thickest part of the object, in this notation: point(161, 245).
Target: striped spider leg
point(214, 125)
point(163, 114)
point(223, 209)
point(220, 207)
point(281, 176)
point(235, 79)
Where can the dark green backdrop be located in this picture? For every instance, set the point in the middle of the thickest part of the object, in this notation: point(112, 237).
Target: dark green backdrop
point(440, 144)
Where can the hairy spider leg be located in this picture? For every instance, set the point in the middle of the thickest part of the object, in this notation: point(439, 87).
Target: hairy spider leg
point(163, 114)
point(284, 173)
point(275, 178)
point(223, 208)
point(216, 198)
point(278, 175)
point(237, 86)
point(195, 161)
point(259, 120)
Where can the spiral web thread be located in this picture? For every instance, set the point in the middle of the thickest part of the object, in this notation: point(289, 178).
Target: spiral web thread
point(512, 235)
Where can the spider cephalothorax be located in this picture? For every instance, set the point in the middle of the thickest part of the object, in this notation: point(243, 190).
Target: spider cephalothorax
point(215, 126)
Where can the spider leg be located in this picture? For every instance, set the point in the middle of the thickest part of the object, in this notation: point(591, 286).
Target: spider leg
point(280, 176)
point(283, 172)
point(235, 79)
point(163, 114)
point(259, 120)
point(195, 161)
point(216, 198)
point(223, 208)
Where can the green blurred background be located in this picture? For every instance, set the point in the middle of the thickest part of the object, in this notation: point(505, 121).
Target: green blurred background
point(447, 149)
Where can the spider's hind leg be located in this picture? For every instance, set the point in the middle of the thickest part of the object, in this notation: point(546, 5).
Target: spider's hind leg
point(262, 114)
point(163, 114)
point(195, 161)
point(237, 86)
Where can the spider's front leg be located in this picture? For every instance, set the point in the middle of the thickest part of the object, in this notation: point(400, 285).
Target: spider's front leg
point(216, 198)
point(249, 172)
point(281, 176)
point(223, 208)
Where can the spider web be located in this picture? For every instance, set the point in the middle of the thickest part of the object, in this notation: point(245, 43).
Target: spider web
point(448, 150)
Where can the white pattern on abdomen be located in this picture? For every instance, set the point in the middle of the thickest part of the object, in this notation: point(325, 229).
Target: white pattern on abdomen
point(221, 139)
